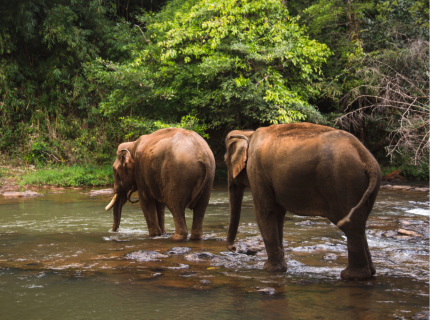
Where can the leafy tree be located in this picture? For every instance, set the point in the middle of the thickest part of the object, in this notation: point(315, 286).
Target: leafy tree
point(229, 63)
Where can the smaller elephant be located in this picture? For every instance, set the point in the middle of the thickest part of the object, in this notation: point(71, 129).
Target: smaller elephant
point(171, 167)
point(309, 170)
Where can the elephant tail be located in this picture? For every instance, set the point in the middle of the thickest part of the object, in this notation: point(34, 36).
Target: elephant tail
point(374, 174)
point(206, 167)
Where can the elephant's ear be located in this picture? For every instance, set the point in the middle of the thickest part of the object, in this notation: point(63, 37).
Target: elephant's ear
point(237, 153)
point(127, 160)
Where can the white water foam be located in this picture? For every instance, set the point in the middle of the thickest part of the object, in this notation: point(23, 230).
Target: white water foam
point(420, 211)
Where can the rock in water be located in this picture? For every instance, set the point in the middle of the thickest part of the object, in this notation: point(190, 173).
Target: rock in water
point(422, 315)
point(266, 290)
point(178, 250)
point(25, 194)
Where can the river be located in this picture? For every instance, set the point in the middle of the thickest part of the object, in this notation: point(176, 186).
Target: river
point(59, 260)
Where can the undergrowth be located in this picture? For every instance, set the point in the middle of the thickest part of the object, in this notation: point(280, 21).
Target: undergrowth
point(73, 176)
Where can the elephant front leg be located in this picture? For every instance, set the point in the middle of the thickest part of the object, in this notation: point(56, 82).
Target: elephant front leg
point(235, 194)
point(149, 209)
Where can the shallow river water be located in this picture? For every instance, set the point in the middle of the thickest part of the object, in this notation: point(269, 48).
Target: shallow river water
point(58, 260)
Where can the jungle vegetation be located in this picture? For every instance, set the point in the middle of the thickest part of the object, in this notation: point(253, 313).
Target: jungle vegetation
point(77, 77)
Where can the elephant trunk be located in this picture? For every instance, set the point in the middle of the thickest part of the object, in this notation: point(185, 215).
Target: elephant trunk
point(235, 194)
point(117, 209)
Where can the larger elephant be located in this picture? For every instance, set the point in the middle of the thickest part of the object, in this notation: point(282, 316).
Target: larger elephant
point(309, 170)
point(170, 167)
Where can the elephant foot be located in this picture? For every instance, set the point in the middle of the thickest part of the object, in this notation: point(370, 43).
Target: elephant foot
point(178, 237)
point(231, 247)
point(280, 266)
point(155, 233)
point(372, 269)
point(353, 273)
point(196, 237)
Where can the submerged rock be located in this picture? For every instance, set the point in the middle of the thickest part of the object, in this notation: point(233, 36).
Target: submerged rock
point(93, 193)
point(25, 194)
point(227, 260)
point(330, 256)
point(146, 256)
point(178, 250)
point(305, 223)
point(200, 256)
point(404, 188)
point(422, 315)
point(266, 290)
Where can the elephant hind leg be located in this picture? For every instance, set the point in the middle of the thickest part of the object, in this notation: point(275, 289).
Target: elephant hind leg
point(160, 215)
point(270, 221)
point(181, 230)
point(359, 265)
point(199, 213)
point(369, 257)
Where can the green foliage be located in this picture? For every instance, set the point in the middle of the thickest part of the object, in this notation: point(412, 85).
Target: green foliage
point(73, 176)
point(229, 63)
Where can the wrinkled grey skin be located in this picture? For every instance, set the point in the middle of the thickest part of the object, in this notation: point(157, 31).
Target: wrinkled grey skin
point(309, 170)
point(170, 167)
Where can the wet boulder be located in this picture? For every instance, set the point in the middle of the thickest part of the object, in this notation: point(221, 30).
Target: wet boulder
point(266, 290)
point(408, 233)
point(25, 194)
point(251, 246)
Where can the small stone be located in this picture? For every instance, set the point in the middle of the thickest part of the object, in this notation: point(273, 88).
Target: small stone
point(156, 274)
point(390, 233)
point(251, 251)
point(305, 223)
point(405, 222)
point(204, 281)
point(178, 250)
point(330, 256)
point(266, 290)
point(422, 315)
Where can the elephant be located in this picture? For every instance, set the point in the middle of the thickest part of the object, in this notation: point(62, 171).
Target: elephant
point(170, 167)
point(308, 170)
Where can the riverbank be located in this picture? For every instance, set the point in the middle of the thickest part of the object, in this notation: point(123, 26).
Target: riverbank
point(22, 178)
point(13, 179)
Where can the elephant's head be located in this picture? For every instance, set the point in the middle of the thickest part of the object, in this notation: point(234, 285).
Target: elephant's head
point(125, 182)
point(237, 143)
point(236, 157)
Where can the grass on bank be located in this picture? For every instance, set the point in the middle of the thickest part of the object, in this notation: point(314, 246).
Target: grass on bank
point(74, 176)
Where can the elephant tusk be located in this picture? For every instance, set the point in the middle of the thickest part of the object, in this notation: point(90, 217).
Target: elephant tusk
point(110, 205)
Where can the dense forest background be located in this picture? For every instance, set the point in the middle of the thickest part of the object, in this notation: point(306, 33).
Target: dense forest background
point(77, 77)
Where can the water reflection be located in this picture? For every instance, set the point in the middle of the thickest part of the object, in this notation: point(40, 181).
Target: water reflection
point(58, 259)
